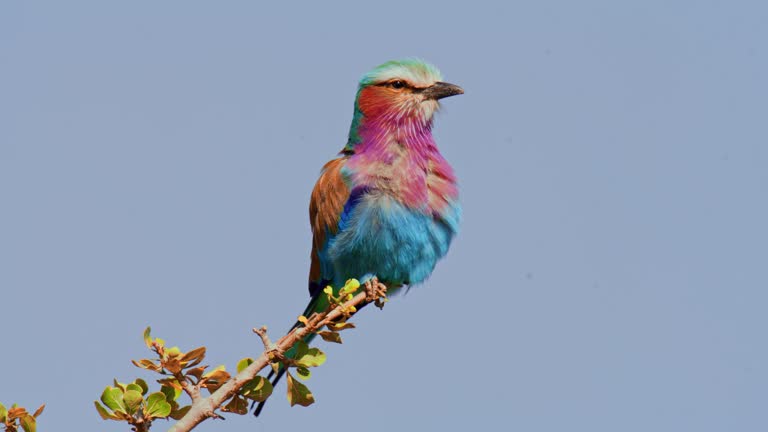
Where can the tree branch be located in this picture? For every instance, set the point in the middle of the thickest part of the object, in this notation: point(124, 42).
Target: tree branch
point(193, 390)
point(204, 408)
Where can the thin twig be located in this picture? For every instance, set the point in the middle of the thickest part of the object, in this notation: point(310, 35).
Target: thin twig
point(204, 408)
point(262, 332)
point(141, 425)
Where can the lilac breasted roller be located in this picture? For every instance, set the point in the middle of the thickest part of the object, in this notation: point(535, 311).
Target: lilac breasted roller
point(387, 206)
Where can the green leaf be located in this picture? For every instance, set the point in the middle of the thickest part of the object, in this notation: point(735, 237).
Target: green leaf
point(350, 287)
point(28, 423)
point(258, 389)
point(244, 363)
point(157, 406)
point(303, 372)
point(3, 413)
point(156, 397)
point(298, 393)
point(119, 385)
point(171, 393)
point(134, 386)
point(143, 384)
point(105, 415)
point(312, 358)
point(132, 400)
point(330, 336)
point(113, 399)
point(147, 337)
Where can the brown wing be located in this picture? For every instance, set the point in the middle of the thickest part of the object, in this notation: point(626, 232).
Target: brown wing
point(325, 208)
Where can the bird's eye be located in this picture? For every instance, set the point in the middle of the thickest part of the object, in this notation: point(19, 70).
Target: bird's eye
point(397, 84)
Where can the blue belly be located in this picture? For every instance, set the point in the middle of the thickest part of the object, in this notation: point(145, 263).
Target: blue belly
point(381, 237)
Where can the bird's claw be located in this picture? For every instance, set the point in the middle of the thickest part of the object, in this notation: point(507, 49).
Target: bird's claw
point(375, 292)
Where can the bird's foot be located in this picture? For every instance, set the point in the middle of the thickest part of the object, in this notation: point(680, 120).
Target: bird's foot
point(375, 292)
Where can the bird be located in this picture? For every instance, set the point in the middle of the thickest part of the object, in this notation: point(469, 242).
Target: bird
point(388, 205)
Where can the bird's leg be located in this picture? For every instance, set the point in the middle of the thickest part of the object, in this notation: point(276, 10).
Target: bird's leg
point(370, 290)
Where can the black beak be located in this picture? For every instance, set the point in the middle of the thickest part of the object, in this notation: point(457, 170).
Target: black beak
point(440, 90)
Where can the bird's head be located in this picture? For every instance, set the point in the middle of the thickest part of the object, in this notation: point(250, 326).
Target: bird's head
point(399, 92)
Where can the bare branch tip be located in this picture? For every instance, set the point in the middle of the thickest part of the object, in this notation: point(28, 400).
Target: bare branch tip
point(262, 332)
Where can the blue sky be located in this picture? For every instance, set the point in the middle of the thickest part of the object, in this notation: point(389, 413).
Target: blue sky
point(156, 161)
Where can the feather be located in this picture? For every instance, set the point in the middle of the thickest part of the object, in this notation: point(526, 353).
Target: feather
point(325, 208)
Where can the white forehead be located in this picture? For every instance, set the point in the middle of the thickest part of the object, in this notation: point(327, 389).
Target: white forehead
point(417, 72)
